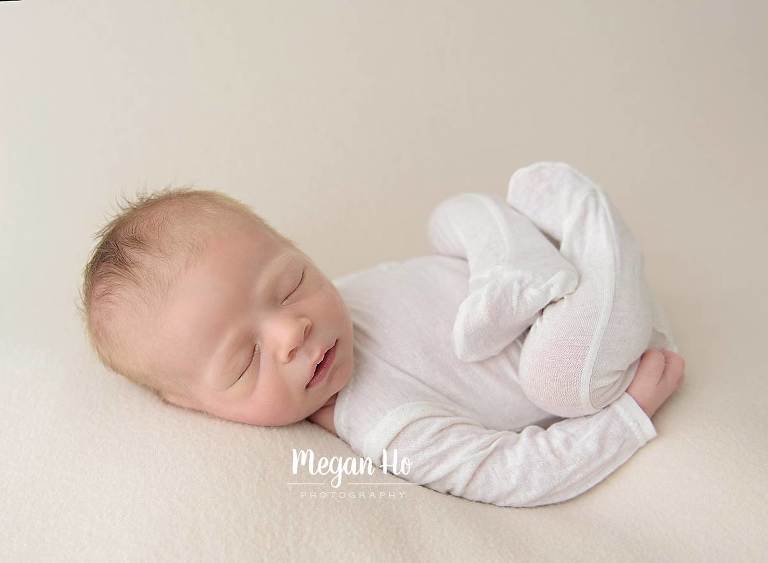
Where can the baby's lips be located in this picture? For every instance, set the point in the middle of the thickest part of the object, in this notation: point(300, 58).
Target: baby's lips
point(316, 362)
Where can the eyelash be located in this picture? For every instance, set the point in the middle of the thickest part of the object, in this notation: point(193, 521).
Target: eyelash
point(249, 364)
point(256, 346)
point(297, 286)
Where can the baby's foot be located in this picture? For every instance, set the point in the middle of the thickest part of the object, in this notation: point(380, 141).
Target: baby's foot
point(501, 305)
point(514, 271)
point(547, 193)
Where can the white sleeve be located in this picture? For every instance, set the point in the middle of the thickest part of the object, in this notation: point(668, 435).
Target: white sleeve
point(514, 271)
point(453, 454)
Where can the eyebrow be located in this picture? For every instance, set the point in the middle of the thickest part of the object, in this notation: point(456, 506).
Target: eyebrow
point(226, 370)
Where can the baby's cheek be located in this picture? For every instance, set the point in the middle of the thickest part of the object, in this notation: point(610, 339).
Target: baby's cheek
point(276, 405)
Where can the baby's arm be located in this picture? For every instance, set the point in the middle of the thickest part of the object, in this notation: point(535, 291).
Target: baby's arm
point(514, 271)
point(457, 455)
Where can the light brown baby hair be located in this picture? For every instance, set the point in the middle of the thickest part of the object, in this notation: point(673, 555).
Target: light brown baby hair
point(138, 255)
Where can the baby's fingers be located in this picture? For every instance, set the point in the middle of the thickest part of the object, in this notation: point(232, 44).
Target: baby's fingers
point(675, 367)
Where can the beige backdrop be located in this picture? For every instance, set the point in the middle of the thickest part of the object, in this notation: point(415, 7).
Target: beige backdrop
point(343, 124)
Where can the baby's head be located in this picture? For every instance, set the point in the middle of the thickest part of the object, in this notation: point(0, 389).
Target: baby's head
point(192, 295)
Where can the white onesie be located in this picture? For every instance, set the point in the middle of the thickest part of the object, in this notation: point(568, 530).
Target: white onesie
point(466, 425)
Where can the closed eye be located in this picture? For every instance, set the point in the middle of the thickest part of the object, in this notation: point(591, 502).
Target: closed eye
point(297, 286)
point(249, 364)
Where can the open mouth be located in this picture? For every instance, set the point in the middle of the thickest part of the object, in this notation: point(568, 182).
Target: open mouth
point(322, 369)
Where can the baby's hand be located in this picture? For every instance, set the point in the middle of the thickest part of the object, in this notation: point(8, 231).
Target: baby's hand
point(659, 374)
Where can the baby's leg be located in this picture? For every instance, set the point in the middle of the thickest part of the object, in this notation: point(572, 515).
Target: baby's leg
point(514, 271)
point(582, 352)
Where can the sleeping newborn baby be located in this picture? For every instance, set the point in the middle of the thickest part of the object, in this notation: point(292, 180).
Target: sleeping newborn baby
point(519, 365)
